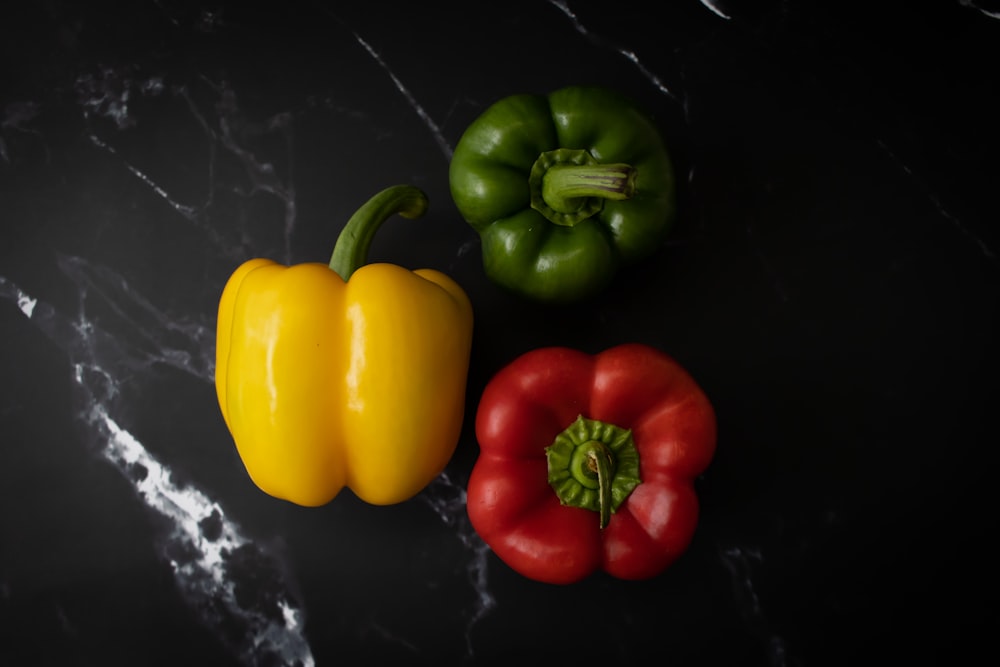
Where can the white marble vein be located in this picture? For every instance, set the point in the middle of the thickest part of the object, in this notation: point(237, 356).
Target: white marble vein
point(214, 548)
point(628, 54)
point(740, 562)
point(205, 550)
point(17, 117)
point(990, 12)
point(188, 212)
point(107, 95)
point(985, 249)
point(157, 337)
point(448, 499)
point(716, 8)
point(432, 127)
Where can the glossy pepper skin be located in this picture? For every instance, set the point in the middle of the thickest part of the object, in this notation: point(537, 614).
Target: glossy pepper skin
point(563, 189)
point(553, 425)
point(344, 375)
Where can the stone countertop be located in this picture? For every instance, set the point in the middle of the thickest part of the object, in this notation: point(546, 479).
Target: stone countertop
point(831, 282)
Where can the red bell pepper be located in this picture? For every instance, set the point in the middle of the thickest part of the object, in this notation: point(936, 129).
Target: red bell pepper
point(587, 462)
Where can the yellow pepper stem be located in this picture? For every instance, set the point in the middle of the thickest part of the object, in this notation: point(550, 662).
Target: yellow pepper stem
point(351, 251)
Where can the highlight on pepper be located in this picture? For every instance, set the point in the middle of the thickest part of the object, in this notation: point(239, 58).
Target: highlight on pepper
point(563, 190)
point(344, 374)
point(587, 462)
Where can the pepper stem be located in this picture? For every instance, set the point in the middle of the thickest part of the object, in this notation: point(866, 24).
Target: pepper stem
point(593, 465)
point(569, 185)
point(602, 463)
point(351, 250)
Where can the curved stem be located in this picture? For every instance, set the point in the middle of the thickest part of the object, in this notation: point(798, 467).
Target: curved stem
point(593, 465)
point(351, 250)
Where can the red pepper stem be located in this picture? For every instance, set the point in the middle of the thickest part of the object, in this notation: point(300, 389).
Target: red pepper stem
point(593, 465)
point(351, 250)
point(601, 462)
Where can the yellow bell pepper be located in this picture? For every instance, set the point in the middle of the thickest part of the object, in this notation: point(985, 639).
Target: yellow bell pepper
point(344, 374)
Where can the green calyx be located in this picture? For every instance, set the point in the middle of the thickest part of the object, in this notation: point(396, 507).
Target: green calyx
point(569, 185)
point(351, 250)
point(593, 465)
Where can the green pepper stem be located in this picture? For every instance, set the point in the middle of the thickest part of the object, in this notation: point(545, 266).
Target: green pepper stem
point(351, 250)
point(569, 185)
point(564, 187)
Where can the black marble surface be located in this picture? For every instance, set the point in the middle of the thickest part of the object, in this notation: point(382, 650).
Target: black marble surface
point(832, 283)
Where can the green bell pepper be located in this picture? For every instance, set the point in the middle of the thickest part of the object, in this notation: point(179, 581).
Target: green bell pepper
point(563, 189)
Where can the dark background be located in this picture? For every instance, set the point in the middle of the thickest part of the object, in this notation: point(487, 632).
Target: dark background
point(832, 283)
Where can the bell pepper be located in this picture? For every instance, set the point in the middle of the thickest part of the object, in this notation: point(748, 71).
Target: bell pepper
point(587, 462)
point(563, 189)
point(347, 374)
